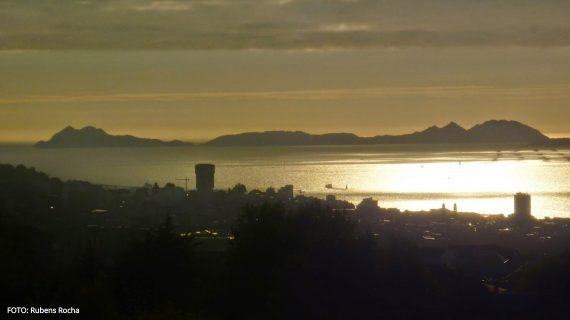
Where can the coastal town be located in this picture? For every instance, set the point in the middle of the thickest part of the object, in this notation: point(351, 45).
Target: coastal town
point(80, 220)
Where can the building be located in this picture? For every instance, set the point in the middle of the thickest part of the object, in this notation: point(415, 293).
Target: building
point(522, 213)
point(205, 177)
point(286, 193)
point(368, 212)
point(368, 203)
point(522, 205)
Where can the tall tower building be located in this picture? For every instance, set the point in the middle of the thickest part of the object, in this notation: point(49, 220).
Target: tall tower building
point(205, 177)
point(522, 206)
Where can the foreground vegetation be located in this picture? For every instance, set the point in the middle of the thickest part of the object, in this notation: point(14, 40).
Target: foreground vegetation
point(279, 262)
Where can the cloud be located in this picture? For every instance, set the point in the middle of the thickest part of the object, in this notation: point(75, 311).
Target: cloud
point(283, 2)
point(344, 27)
point(163, 6)
point(281, 24)
point(528, 92)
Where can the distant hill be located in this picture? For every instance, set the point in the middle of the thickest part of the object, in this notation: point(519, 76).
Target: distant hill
point(451, 133)
point(285, 138)
point(494, 131)
point(91, 137)
point(491, 132)
point(559, 143)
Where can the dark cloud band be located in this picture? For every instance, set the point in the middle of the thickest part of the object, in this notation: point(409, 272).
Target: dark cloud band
point(281, 24)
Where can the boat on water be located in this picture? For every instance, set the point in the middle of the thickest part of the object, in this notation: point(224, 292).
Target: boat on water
point(330, 186)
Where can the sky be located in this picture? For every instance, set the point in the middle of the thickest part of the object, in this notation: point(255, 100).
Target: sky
point(195, 69)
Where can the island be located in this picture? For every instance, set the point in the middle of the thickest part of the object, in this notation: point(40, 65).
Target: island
point(491, 132)
point(499, 133)
point(91, 137)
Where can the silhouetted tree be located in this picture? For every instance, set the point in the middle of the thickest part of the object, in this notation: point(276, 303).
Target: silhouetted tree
point(156, 275)
point(548, 281)
point(270, 192)
point(310, 263)
point(239, 189)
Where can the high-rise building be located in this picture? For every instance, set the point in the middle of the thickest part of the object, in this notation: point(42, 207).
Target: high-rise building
point(205, 177)
point(522, 206)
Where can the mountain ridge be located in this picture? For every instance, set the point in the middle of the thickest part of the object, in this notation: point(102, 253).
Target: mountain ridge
point(91, 137)
point(492, 131)
point(506, 132)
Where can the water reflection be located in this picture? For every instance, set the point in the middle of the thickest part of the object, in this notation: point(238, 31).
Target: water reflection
point(406, 177)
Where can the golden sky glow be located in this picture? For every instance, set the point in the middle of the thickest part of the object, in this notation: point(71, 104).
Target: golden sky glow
point(195, 69)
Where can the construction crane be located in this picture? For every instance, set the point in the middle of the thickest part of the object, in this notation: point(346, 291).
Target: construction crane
point(185, 183)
